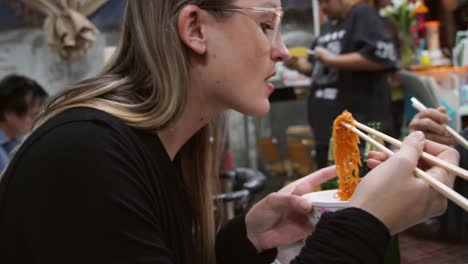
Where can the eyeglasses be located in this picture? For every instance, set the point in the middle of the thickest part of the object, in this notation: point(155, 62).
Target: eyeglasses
point(271, 26)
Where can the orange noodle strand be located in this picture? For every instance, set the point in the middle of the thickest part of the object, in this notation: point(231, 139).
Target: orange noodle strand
point(347, 157)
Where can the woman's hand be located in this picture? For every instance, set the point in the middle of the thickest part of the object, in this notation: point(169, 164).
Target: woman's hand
point(431, 122)
point(282, 218)
point(394, 195)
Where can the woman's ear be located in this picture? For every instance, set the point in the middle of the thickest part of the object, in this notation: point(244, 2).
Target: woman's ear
point(191, 26)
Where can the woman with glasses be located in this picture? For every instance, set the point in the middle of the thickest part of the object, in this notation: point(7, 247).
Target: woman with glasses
point(121, 168)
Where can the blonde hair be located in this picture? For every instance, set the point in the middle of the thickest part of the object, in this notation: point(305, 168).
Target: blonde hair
point(145, 85)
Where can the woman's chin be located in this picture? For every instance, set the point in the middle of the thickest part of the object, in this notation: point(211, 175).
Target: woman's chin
point(258, 110)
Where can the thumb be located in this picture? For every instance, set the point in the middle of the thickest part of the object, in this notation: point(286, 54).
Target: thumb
point(300, 205)
point(412, 148)
point(278, 202)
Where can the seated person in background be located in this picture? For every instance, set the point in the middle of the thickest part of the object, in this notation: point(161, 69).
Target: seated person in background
point(20, 102)
point(453, 225)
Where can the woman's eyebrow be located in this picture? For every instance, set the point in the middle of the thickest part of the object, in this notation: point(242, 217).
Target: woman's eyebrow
point(268, 4)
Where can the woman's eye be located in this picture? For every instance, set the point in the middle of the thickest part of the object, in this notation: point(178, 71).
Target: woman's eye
point(266, 27)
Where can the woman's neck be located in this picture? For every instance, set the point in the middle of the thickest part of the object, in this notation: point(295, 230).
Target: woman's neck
point(199, 111)
point(175, 137)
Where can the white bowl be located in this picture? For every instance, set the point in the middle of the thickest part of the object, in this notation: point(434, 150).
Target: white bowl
point(323, 202)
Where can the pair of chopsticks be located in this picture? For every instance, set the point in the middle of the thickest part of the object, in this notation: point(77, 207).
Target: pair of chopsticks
point(438, 186)
point(421, 107)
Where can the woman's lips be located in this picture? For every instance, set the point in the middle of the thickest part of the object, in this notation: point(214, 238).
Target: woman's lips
point(270, 87)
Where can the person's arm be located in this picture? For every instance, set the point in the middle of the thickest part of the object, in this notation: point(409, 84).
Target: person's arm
point(301, 65)
point(304, 65)
point(86, 203)
point(347, 231)
point(281, 218)
point(372, 45)
point(350, 236)
point(388, 203)
point(350, 61)
point(234, 247)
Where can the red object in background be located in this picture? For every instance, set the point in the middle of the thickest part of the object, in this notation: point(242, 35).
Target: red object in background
point(419, 29)
point(227, 162)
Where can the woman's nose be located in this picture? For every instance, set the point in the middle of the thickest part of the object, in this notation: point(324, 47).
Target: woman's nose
point(279, 50)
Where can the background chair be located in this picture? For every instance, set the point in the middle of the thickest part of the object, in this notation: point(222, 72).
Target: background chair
point(420, 87)
point(300, 155)
point(434, 88)
point(241, 185)
point(271, 158)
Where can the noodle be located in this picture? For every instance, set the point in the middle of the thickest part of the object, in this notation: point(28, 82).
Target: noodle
point(347, 157)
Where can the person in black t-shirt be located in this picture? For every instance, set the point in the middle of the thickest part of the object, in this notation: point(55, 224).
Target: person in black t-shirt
point(353, 55)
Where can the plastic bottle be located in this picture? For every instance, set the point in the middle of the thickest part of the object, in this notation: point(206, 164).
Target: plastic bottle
point(432, 35)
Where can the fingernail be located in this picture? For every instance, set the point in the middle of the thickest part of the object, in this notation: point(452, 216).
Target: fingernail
point(418, 135)
point(306, 205)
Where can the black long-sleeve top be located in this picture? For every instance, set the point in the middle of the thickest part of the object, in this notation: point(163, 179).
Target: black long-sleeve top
point(86, 188)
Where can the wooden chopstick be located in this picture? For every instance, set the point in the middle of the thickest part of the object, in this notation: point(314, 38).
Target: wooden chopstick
point(434, 160)
point(438, 186)
point(421, 107)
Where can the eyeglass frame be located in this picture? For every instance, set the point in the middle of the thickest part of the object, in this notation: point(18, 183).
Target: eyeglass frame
point(277, 11)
